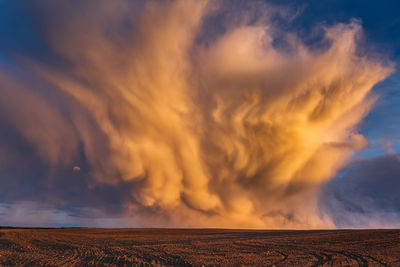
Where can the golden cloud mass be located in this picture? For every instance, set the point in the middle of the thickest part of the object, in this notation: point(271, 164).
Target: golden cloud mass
point(226, 131)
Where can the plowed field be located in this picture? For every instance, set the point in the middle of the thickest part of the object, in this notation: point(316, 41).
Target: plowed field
point(197, 247)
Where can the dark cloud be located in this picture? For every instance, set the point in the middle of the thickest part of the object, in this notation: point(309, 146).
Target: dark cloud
point(366, 194)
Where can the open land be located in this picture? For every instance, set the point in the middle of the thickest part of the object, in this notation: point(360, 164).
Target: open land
point(197, 247)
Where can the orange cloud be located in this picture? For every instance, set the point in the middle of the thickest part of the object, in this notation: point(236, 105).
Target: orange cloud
point(231, 132)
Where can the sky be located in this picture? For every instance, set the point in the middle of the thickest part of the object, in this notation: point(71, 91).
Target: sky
point(215, 113)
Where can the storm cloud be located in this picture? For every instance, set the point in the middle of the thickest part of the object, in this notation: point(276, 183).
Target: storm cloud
point(173, 122)
point(366, 194)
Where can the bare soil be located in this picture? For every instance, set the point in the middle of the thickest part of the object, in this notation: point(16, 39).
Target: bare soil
point(197, 247)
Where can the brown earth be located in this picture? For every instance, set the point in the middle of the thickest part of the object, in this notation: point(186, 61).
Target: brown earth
point(197, 247)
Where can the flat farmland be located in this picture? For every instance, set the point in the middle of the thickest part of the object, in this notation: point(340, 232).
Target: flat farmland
point(197, 247)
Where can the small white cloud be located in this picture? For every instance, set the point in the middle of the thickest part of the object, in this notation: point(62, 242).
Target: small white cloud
point(76, 168)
